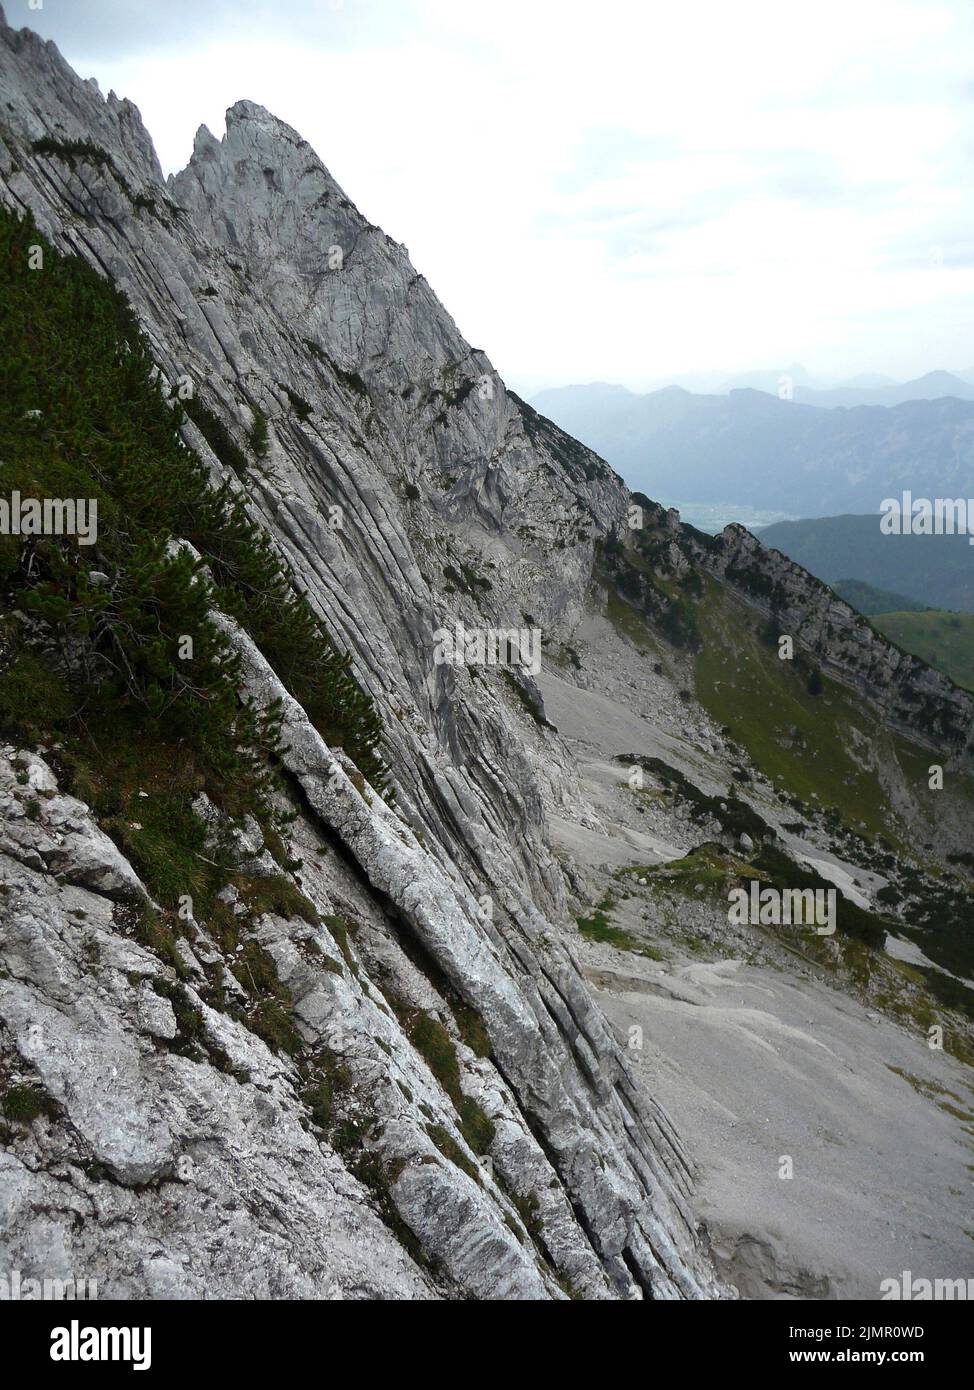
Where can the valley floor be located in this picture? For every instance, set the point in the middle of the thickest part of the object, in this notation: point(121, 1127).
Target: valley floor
point(757, 1056)
point(753, 1067)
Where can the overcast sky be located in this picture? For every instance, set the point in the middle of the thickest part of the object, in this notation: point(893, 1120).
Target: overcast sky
point(616, 190)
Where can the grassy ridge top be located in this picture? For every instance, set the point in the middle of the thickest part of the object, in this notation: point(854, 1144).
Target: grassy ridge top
point(931, 570)
point(943, 640)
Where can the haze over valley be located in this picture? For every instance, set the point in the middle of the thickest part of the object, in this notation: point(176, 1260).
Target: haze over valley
point(797, 452)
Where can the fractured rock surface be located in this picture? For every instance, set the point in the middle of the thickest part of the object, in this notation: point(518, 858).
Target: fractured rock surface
point(452, 498)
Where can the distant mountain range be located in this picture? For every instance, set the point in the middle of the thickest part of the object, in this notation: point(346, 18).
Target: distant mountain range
point(781, 455)
point(937, 571)
point(924, 388)
point(869, 388)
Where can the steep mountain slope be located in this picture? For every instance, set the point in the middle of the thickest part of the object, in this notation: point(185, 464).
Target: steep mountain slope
point(935, 570)
point(764, 1043)
point(413, 437)
point(751, 448)
point(327, 1042)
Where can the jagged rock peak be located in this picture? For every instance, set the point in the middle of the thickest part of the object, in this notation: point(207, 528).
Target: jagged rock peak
point(61, 106)
point(251, 128)
point(373, 404)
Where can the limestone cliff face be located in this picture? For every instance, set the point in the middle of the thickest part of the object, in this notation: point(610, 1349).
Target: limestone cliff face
point(485, 1136)
point(407, 488)
point(229, 273)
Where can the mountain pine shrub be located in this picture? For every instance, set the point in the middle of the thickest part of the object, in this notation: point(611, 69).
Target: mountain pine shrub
point(93, 637)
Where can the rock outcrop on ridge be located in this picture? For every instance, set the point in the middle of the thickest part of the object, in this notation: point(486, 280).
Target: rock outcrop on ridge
point(453, 1116)
point(407, 489)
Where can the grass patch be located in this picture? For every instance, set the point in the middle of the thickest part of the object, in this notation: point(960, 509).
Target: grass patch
point(339, 927)
point(597, 927)
point(452, 1151)
point(276, 894)
point(943, 640)
point(708, 865)
point(24, 1103)
point(431, 1040)
point(765, 705)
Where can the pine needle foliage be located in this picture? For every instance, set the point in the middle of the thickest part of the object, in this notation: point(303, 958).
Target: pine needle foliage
point(93, 638)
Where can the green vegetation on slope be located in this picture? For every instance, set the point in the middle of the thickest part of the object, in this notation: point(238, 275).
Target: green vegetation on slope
point(916, 996)
point(943, 640)
point(735, 816)
point(801, 741)
point(823, 748)
point(598, 927)
point(108, 649)
point(642, 589)
point(830, 756)
point(817, 740)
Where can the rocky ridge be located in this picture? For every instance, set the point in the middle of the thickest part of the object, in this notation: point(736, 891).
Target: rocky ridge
point(471, 1127)
point(912, 696)
point(377, 407)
